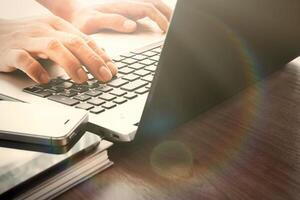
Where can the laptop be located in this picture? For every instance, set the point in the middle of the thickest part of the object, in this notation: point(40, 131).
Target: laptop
point(212, 51)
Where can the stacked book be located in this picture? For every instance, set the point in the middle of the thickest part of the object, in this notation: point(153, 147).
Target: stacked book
point(34, 175)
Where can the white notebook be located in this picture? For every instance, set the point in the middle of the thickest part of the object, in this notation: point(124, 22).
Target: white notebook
point(18, 166)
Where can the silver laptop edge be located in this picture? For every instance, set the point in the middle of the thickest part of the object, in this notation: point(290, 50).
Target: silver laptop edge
point(120, 123)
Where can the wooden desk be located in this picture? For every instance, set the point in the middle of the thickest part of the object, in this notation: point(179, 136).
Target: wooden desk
point(246, 148)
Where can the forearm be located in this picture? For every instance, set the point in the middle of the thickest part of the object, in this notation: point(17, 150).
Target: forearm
point(64, 9)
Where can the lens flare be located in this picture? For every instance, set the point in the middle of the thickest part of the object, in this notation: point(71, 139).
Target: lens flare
point(172, 159)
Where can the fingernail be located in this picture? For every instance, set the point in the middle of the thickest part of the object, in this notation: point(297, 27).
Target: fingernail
point(104, 74)
point(129, 25)
point(113, 68)
point(44, 78)
point(81, 75)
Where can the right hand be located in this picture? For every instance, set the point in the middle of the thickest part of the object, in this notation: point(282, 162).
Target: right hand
point(51, 37)
point(120, 15)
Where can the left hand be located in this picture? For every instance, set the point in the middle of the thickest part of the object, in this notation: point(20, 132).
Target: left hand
point(24, 41)
point(121, 15)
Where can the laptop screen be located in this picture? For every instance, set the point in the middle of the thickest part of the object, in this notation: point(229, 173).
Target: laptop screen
point(213, 50)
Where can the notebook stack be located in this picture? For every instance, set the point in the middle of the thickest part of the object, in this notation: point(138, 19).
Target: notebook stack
point(34, 175)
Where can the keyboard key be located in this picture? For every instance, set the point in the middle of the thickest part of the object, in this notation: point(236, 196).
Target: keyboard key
point(43, 94)
point(142, 90)
point(84, 106)
point(142, 72)
point(155, 58)
point(126, 70)
point(157, 50)
point(134, 85)
point(104, 88)
point(80, 88)
point(117, 83)
point(68, 93)
point(64, 77)
point(118, 58)
point(55, 81)
point(96, 102)
point(130, 77)
point(97, 110)
point(136, 66)
point(82, 97)
point(37, 91)
point(108, 105)
point(119, 100)
point(139, 57)
point(90, 76)
point(65, 85)
point(32, 89)
point(148, 86)
point(127, 55)
point(120, 65)
point(57, 89)
point(151, 68)
point(92, 83)
point(117, 76)
point(130, 95)
point(93, 93)
point(147, 62)
point(149, 53)
point(118, 92)
point(148, 78)
point(50, 90)
point(129, 61)
point(107, 97)
point(63, 100)
point(44, 86)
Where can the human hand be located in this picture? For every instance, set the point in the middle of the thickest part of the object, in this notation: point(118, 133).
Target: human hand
point(24, 41)
point(121, 15)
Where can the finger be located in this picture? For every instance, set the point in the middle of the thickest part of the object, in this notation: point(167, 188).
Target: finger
point(136, 10)
point(59, 24)
point(163, 8)
point(62, 25)
point(114, 22)
point(24, 61)
point(154, 14)
point(56, 52)
point(86, 55)
point(6, 64)
point(101, 52)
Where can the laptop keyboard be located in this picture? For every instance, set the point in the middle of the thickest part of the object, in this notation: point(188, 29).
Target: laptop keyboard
point(135, 74)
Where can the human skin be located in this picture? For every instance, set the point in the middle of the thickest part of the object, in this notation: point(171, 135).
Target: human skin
point(62, 38)
point(25, 41)
point(118, 15)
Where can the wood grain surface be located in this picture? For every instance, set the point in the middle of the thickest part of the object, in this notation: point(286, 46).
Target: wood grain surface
point(246, 148)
